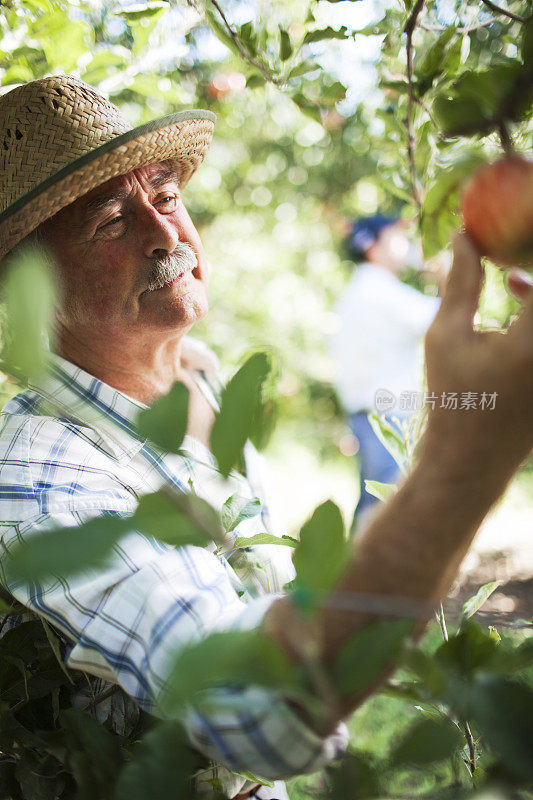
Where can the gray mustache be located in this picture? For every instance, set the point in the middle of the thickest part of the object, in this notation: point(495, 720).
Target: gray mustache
point(166, 269)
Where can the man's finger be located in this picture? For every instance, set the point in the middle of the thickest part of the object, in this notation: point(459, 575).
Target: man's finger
point(521, 330)
point(465, 280)
point(520, 283)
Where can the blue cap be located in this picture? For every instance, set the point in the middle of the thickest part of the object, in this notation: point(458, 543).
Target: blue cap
point(366, 231)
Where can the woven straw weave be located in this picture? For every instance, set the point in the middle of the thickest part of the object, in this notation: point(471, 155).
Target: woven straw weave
point(59, 139)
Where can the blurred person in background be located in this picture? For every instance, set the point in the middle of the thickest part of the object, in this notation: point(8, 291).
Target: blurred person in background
point(376, 348)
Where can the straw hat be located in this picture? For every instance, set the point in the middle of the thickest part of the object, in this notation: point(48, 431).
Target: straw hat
point(59, 139)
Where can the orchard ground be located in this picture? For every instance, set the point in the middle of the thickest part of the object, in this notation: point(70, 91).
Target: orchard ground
point(502, 550)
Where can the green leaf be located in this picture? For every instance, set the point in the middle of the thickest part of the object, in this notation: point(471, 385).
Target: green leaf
point(527, 43)
point(165, 422)
point(221, 32)
point(177, 519)
point(303, 68)
point(325, 33)
point(322, 552)
point(265, 538)
point(64, 48)
point(94, 752)
point(426, 668)
point(255, 80)
point(237, 509)
point(482, 595)
point(138, 11)
point(503, 713)
point(248, 37)
point(427, 741)
point(364, 658)
point(467, 651)
point(354, 777)
point(390, 437)
point(440, 206)
point(285, 46)
point(161, 766)
point(383, 491)
point(241, 412)
point(226, 658)
point(54, 643)
point(28, 292)
point(66, 551)
point(432, 63)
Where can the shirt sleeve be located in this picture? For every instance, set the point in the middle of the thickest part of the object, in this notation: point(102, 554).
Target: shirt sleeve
point(128, 621)
point(411, 309)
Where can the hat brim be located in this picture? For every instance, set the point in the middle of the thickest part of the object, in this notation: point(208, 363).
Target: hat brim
point(184, 136)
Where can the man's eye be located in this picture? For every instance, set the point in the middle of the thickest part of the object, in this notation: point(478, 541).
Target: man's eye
point(111, 222)
point(169, 201)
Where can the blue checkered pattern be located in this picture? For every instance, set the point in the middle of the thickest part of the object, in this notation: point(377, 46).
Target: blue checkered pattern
point(69, 452)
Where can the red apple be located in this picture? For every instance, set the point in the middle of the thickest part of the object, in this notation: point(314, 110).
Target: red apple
point(497, 208)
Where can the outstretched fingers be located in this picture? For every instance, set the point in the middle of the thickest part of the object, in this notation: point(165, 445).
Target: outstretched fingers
point(465, 281)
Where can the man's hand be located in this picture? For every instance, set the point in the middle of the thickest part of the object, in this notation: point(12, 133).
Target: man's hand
point(413, 547)
point(492, 364)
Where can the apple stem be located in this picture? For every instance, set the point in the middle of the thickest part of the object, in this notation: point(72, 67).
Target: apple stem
point(506, 139)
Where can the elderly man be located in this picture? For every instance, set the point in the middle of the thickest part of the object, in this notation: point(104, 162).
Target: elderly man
point(107, 202)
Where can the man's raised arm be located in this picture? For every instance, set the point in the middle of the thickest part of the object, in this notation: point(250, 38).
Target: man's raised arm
point(414, 546)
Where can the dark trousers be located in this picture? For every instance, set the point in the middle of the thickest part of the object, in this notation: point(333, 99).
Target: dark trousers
point(375, 462)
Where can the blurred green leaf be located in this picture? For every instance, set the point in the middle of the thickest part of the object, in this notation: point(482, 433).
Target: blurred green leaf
point(220, 32)
point(482, 595)
point(237, 509)
point(364, 658)
point(234, 657)
point(469, 649)
point(285, 46)
point(66, 551)
point(356, 777)
point(322, 552)
point(441, 203)
point(427, 741)
point(241, 412)
point(503, 713)
point(390, 437)
point(161, 766)
point(94, 753)
point(265, 538)
point(165, 422)
point(325, 33)
point(177, 519)
point(138, 11)
point(381, 490)
point(28, 292)
point(302, 68)
point(255, 80)
point(55, 645)
point(432, 63)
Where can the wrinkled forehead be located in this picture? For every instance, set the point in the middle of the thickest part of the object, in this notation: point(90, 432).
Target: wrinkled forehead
point(154, 175)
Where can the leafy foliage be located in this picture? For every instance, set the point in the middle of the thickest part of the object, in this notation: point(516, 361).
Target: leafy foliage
point(470, 82)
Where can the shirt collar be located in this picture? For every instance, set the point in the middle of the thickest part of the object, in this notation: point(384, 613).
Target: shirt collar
point(71, 392)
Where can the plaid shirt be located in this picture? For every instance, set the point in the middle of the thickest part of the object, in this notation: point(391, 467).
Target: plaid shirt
point(69, 452)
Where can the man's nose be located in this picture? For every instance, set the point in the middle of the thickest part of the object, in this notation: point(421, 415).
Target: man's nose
point(159, 232)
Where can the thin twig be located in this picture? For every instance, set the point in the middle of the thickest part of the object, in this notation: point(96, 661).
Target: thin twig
point(499, 10)
point(466, 727)
point(505, 138)
point(409, 29)
point(436, 28)
point(100, 698)
point(441, 619)
point(242, 50)
point(471, 748)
